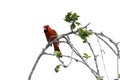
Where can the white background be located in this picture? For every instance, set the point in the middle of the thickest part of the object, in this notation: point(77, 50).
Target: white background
point(22, 37)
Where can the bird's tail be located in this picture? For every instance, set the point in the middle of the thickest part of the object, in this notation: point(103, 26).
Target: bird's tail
point(56, 46)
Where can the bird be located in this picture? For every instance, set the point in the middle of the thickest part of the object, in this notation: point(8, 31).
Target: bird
point(51, 34)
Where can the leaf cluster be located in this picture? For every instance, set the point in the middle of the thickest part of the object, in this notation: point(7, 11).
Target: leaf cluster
point(58, 54)
point(72, 18)
point(84, 34)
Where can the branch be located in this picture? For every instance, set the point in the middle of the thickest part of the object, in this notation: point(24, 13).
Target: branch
point(102, 51)
point(37, 60)
point(117, 52)
point(95, 58)
point(50, 43)
point(78, 54)
point(77, 60)
point(86, 26)
point(97, 34)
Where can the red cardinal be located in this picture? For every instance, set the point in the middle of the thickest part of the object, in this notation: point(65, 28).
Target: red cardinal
point(50, 36)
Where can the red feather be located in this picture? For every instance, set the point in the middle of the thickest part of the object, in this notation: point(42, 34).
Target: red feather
point(50, 36)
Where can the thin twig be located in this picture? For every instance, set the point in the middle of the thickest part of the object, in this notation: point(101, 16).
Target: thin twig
point(95, 58)
point(66, 56)
point(106, 43)
point(115, 44)
point(102, 51)
point(36, 62)
point(78, 54)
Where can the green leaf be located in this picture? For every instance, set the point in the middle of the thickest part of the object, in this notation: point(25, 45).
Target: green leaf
point(57, 68)
point(73, 26)
point(84, 40)
point(71, 17)
point(69, 13)
point(68, 17)
point(80, 30)
point(85, 55)
point(74, 16)
point(119, 75)
point(84, 34)
point(77, 23)
point(89, 33)
point(100, 78)
point(58, 54)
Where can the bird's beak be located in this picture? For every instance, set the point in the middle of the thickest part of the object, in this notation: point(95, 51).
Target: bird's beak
point(44, 28)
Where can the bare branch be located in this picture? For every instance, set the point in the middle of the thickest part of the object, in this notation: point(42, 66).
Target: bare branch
point(117, 52)
point(95, 58)
point(97, 34)
point(78, 54)
point(102, 51)
point(37, 60)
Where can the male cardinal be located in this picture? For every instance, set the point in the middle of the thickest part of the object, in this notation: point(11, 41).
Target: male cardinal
point(50, 36)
